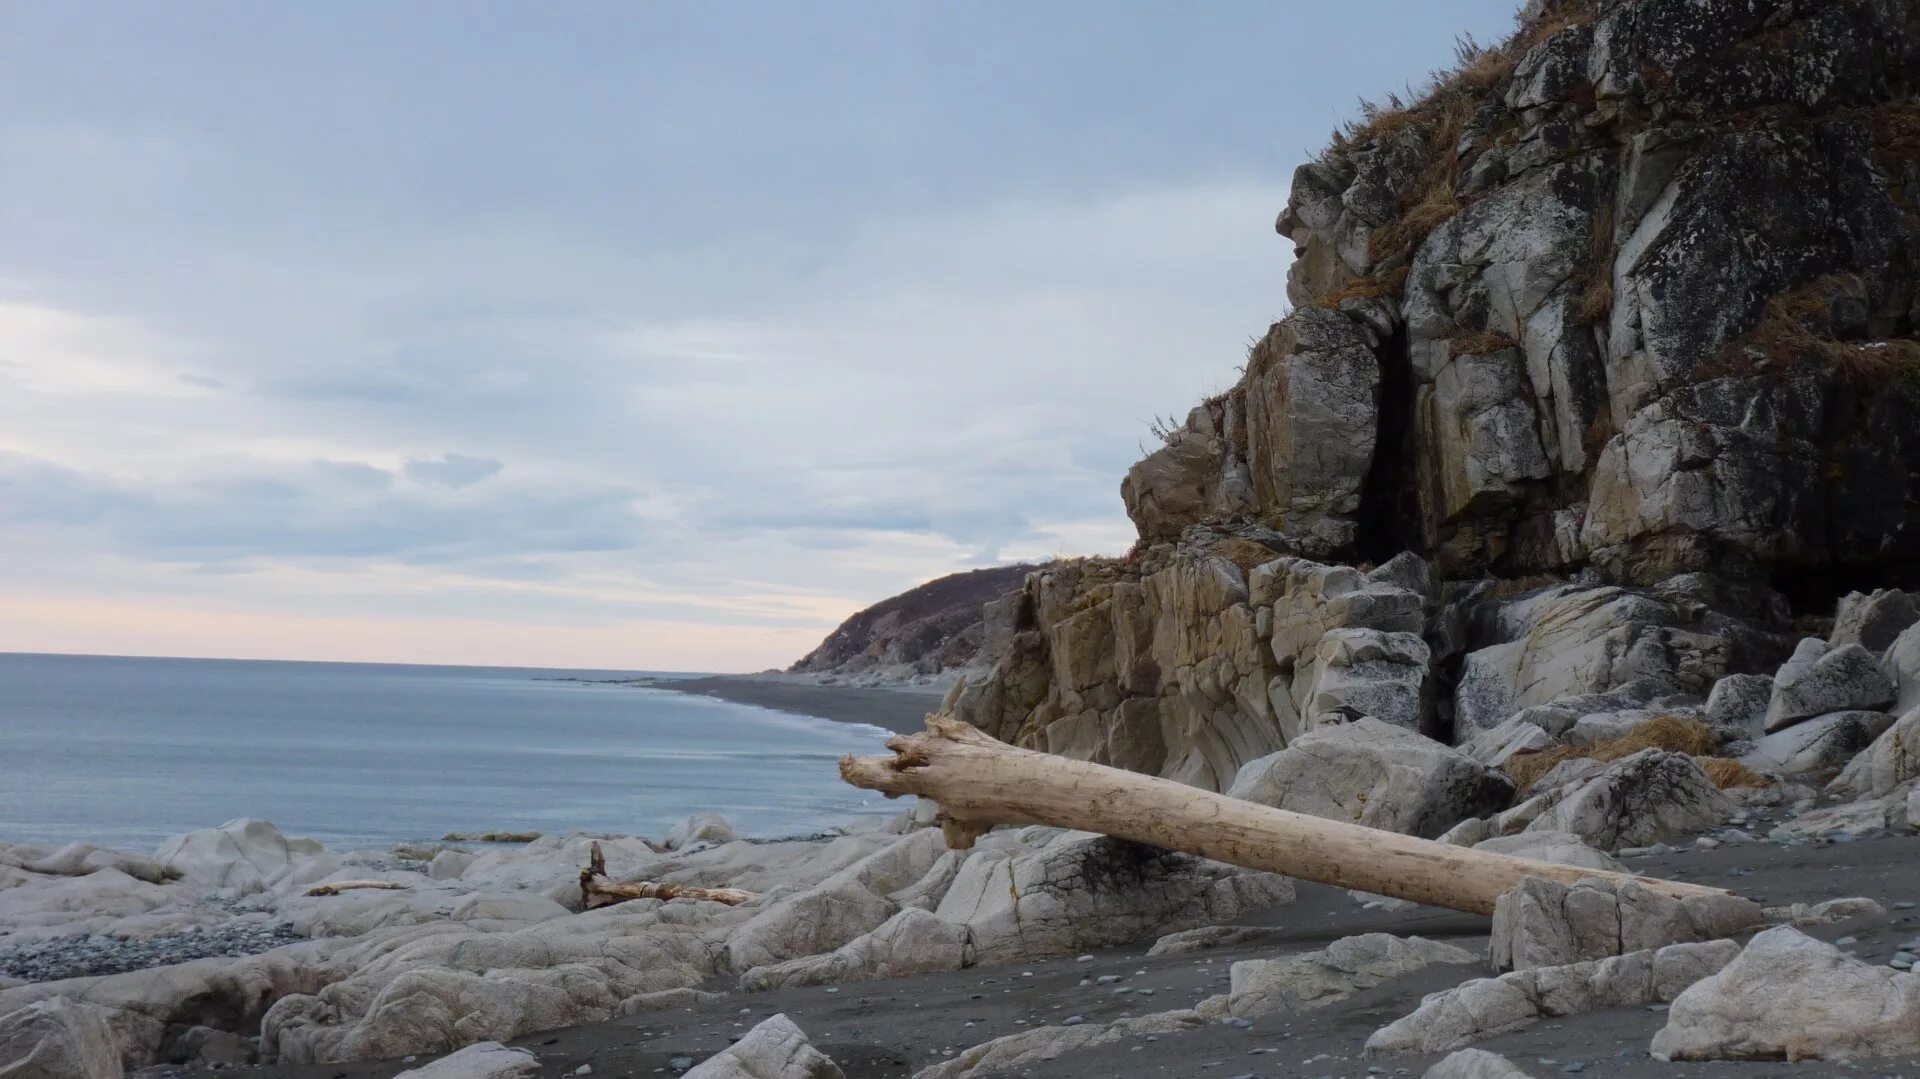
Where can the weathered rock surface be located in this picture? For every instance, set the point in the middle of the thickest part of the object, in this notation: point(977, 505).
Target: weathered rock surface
point(1009, 1054)
point(481, 1060)
point(1818, 746)
point(1874, 620)
point(1817, 682)
point(1638, 800)
point(936, 627)
point(1543, 923)
point(1890, 762)
point(774, 1049)
point(1373, 773)
point(1316, 979)
point(1790, 997)
point(1474, 1064)
point(236, 858)
point(57, 1039)
point(1487, 1006)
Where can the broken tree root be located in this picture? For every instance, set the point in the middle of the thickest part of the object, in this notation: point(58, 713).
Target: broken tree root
point(597, 891)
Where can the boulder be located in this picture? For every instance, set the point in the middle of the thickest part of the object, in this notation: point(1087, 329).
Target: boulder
point(1495, 745)
point(1791, 997)
point(1737, 707)
point(80, 859)
point(1345, 967)
point(481, 1060)
point(700, 828)
point(1874, 620)
point(1484, 1007)
point(1890, 762)
point(913, 941)
point(1817, 746)
point(1638, 800)
point(1003, 1056)
point(236, 858)
point(57, 1039)
point(1902, 667)
point(774, 1049)
point(1474, 1064)
point(1816, 682)
point(851, 902)
point(1543, 923)
point(1360, 673)
point(1083, 891)
point(449, 864)
point(1376, 774)
point(1560, 848)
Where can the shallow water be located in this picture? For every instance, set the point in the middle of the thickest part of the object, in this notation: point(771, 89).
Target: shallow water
point(125, 752)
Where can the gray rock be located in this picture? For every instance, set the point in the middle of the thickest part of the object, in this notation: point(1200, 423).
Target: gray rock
point(1816, 746)
point(1890, 762)
point(1316, 979)
point(1375, 774)
point(1014, 1052)
point(1474, 1064)
point(1816, 682)
point(1737, 707)
point(1543, 923)
point(699, 828)
point(1484, 1007)
point(1902, 667)
point(1789, 996)
point(57, 1039)
point(1874, 620)
point(775, 1049)
point(1638, 800)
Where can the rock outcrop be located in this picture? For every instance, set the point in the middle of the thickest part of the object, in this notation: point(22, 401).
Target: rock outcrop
point(950, 623)
point(1598, 343)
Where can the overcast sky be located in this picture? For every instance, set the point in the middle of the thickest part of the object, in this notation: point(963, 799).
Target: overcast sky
point(634, 335)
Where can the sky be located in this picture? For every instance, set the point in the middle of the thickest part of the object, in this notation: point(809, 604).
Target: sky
point(640, 336)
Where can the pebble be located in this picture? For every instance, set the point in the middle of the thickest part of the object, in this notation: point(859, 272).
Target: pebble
point(1073, 1020)
point(584, 1069)
point(84, 955)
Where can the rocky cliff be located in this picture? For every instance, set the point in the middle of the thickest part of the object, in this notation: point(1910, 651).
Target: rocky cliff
point(937, 627)
point(1601, 367)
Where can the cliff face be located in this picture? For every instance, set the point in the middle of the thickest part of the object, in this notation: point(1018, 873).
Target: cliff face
point(938, 626)
point(1607, 337)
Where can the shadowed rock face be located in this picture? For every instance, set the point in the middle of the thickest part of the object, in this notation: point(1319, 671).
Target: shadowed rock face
point(1625, 316)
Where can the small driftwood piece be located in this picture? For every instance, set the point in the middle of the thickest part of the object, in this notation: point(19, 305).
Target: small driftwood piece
point(339, 886)
point(597, 891)
point(979, 781)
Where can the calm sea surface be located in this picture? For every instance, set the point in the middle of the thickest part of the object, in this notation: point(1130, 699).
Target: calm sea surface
point(125, 752)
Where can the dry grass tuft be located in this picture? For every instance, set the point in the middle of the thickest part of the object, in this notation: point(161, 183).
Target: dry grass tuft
point(1596, 292)
point(1480, 342)
point(1368, 288)
point(1796, 328)
point(1675, 734)
point(1728, 774)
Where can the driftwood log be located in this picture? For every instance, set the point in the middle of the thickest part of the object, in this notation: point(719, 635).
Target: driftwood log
point(354, 885)
point(597, 891)
point(979, 781)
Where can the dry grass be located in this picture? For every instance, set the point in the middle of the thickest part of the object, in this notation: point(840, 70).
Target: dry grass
point(1795, 328)
point(1480, 342)
point(1728, 774)
point(1596, 292)
point(1675, 734)
point(1511, 587)
point(1368, 288)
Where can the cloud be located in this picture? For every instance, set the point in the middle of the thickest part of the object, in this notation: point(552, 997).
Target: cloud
point(451, 470)
point(47, 350)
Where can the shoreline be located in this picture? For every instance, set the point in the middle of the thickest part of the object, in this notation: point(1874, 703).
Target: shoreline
point(901, 710)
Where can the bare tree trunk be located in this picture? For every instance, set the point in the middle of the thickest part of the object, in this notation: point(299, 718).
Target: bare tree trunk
point(597, 891)
point(979, 782)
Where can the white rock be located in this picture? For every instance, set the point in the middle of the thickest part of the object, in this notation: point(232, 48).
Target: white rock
point(57, 1039)
point(449, 864)
point(913, 941)
point(481, 1060)
point(1638, 800)
point(1737, 706)
point(1543, 923)
point(1789, 996)
point(1560, 848)
point(236, 858)
point(1377, 774)
point(1816, 682)
point(775, 1049)
point(1873, 620)
point(1902, 666)
point(700, 828)
point(1819, 745)
point(1474, 1064)
point(1892, 760)
point(1316, 979)
point(1008, 1055)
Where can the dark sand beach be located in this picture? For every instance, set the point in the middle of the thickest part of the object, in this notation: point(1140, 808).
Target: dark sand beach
point(899, 709)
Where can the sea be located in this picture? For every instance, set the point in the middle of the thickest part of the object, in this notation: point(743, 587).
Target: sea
point(126, 752)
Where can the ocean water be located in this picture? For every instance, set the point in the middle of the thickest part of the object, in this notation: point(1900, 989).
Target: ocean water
point(125, 752)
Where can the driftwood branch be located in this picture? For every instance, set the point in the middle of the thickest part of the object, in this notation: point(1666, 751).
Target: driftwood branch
point(354, 885)
point(597, 891)
point(980, 782)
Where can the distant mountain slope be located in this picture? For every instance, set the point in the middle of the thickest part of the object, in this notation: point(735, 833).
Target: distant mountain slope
point(922, 631)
